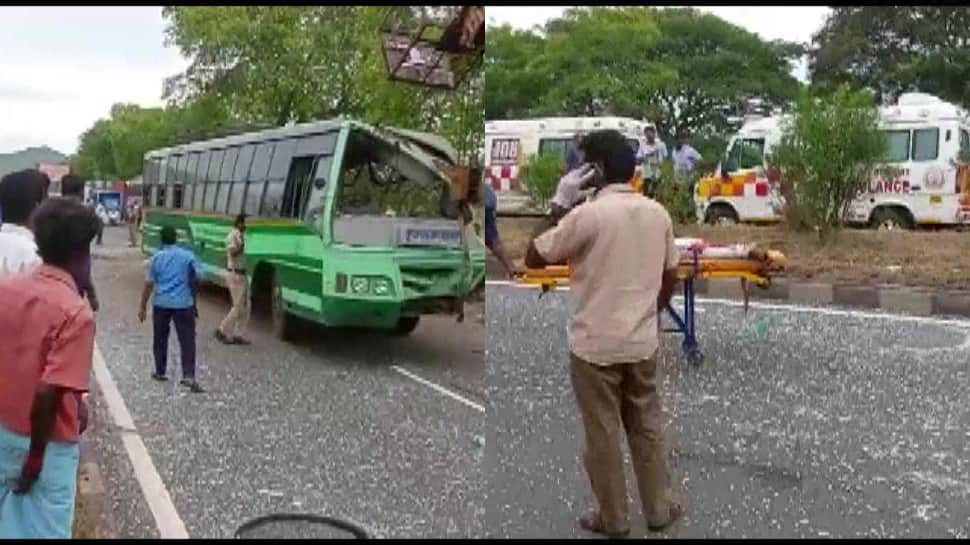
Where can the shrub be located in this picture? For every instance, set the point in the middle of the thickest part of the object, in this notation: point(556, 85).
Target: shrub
point(674, 192)
point(541, 176)
point(829, 151)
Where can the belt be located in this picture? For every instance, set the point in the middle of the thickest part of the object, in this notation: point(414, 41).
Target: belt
point(238, 271)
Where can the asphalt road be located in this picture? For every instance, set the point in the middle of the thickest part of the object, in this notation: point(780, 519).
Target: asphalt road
point(325, 426)
point(801, 423)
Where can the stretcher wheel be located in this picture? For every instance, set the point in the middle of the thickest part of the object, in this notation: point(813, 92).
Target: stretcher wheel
point(694, 357)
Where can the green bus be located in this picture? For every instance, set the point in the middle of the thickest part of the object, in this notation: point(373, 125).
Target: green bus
point(349, 225)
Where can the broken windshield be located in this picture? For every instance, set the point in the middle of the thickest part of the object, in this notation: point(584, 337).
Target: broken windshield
point(380, 178)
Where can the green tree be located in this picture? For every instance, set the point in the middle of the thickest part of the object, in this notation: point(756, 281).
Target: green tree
point(276, 64)
point(541, 175)
point(828, 153)
point(894, 49)
point(680, 68)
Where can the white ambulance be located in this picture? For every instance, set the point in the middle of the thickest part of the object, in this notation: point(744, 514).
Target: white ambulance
point(931, 186)
point(510, 143)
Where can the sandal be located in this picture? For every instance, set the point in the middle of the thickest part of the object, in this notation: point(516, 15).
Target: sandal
point(592, 522)
point(676, 511)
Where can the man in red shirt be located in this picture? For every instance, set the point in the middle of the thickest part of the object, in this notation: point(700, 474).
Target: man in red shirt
point(48, 343)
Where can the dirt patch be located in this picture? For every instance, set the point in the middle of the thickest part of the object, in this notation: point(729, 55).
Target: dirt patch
point(84, 523)
point(857, 256)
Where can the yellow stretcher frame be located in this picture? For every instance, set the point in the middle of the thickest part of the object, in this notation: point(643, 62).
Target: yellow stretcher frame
point(746, 270)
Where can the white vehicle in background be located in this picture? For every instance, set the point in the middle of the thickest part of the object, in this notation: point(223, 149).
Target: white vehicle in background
point(510, 143)
point(929, 185)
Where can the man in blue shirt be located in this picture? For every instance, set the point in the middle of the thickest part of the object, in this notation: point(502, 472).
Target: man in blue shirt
point(492, 240)
point(172, 275)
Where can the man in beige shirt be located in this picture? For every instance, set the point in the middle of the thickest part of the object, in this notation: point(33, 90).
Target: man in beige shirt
point(620, 247)
point(229, 332)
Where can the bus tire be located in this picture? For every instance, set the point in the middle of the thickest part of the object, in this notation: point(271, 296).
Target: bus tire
point(720, 214)
point(889, 218)
point(406, 325)
point(284, 323)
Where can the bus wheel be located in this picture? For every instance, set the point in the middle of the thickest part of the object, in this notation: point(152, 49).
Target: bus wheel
point(283, 321)
point(720, 214)
point(406, 325)
point(890, 219)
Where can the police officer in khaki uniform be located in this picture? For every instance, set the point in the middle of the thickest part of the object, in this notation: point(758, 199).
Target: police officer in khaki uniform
point(232, 327)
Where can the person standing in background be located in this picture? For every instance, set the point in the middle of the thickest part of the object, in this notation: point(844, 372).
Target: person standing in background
point(685, 156)
point(231, 329)
point(171, 276)
point(48, 345)
point(72, 187)
point(102, 214)
point(492, 240)
point(20, 193)
point(651, 153)
point(134, 222)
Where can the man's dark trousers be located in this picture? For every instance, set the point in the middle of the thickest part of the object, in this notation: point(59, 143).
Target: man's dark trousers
point(184, 319)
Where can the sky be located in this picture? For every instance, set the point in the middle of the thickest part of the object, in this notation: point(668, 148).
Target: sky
point(792, 23)
point(61, 69)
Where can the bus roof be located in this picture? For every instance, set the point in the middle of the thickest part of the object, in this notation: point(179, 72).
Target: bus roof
point(427, 142)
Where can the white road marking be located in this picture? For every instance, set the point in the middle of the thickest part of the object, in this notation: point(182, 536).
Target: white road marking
point(782, 306)
point(167, 520)
point(439, 389)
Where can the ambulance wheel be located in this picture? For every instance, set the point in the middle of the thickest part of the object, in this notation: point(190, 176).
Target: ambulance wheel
point(890, 219)
point(721, 214)
point(693, 354)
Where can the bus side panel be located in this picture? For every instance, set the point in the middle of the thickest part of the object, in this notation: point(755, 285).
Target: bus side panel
point(294, 253)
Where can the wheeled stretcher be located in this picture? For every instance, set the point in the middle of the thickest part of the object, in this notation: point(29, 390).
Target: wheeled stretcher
point(698, 259)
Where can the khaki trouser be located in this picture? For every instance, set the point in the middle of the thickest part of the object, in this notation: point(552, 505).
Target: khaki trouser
point(238, 317)
point(612, 399)
point(132, 232)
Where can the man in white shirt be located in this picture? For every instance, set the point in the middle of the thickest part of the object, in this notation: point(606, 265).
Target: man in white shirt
point(650, 155)
point(20, 193)
point(685, 157)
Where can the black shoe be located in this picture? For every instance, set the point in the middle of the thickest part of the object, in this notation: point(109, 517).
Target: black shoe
point(160, 378)
point(192, 385)
point(221, 337)
point(241, 340)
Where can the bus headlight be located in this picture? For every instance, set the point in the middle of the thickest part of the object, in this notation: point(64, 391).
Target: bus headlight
point(358, 285)
point(381, 286)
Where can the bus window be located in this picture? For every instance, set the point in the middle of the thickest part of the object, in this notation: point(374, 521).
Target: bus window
point(160, 195)
point(279, 168)
point(177, 195)
point(201, 175)
point(212, 180)
point(897, 146)
point(238, 194)
point(926, 144)
point(181, 164)
point(965, 144)
point(747, 153)
point(190, 178)
point(257, 177)
point(225, 179)
point(321, 175)
point(297, 189)
point(162, 171)
point(554, 146)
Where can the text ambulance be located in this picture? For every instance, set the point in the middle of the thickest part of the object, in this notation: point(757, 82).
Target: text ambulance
point(928, 186)
point(510, 143)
